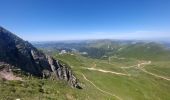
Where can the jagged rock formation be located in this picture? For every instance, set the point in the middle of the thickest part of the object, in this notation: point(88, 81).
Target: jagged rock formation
point(21, 54)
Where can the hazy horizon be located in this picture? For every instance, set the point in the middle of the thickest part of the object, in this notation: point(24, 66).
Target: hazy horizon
point(58, 20)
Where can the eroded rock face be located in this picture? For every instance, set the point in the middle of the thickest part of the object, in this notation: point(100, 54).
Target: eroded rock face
point(23, 55)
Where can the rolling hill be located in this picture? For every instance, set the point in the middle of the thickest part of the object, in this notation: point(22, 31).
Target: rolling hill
point(111, 70)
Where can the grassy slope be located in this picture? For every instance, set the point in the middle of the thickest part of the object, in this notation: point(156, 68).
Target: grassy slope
point(147, 51)
point(140, 86)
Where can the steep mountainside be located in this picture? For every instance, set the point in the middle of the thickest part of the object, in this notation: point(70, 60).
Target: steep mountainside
point(17, 53)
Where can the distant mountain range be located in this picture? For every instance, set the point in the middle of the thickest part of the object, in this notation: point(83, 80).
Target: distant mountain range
point(123, 48)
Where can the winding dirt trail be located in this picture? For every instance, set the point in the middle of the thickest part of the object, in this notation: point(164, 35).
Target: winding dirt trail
point(101, 89)
point(144, 63)
point(129, 67)
point(142, 69)
point(162, 77)
point(138, 65)
point(106, 71)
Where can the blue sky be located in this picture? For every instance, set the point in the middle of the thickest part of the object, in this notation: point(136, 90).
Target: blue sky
point(43, 20)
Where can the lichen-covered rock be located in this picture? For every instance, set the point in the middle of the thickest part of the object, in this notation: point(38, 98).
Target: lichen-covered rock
point(23, 55)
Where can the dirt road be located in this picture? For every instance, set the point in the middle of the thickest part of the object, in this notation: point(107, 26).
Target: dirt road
point(106, 71)
point(101, 89)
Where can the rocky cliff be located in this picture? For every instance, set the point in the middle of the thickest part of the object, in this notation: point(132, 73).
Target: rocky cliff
point(21, 54)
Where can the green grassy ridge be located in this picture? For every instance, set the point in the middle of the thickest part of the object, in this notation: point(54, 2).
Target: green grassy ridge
point(79, 60)
point(161, 68)
point(37, 89)
point(129, 49)
point(139, 50)
point(130, 88)
point(147, 51)
point(138, 86)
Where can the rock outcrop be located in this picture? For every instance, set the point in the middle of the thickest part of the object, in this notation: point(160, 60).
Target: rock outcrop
point(23, 55)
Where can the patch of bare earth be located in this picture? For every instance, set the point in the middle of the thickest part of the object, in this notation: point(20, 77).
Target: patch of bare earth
point(70, 97)
point(6, 73)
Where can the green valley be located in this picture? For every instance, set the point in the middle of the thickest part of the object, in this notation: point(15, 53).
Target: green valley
point(131, 72)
